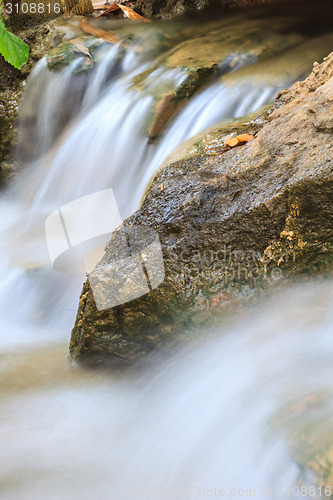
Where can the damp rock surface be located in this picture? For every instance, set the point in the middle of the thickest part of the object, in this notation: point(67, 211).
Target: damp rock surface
point(229, 223)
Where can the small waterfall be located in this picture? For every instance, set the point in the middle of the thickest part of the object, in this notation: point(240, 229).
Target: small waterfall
point(89, 133)
point(81, 133)
point(109, 135)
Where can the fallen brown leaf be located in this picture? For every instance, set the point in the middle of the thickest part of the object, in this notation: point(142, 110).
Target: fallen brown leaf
point(245, 137)
point(238, 140)
point(113, 7)
point(131, 14)
point(79, 45)
point(104, 35)
point(232, 142)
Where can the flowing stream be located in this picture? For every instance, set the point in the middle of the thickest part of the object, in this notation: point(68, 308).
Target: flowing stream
point(220, 414)
point(228, 413)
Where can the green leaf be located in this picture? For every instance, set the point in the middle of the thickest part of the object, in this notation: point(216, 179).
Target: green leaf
point(14, 50)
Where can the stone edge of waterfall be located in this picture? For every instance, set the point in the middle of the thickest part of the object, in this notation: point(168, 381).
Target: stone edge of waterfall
point(266, 205)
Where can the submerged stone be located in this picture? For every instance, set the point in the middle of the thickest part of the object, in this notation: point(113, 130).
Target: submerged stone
point(192, 54)
point(211, 51)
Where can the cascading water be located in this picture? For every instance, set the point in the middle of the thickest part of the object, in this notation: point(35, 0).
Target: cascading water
point(227, 415)
point(204, 419)
point(104, 146)
point(81, 134)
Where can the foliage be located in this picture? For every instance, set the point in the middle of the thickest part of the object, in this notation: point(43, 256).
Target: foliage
point(14, 50)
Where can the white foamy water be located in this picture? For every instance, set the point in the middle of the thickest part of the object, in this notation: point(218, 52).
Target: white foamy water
point(217, 416)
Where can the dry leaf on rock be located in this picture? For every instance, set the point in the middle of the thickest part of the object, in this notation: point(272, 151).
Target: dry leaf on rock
point(111, 8)
point(238, 140)
point(79, 45)
point(131, 14)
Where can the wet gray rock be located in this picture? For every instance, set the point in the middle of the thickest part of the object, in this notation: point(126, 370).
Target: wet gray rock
point(229, 224)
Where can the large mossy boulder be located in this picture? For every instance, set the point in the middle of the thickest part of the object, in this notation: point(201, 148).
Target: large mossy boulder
point(229, 223)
